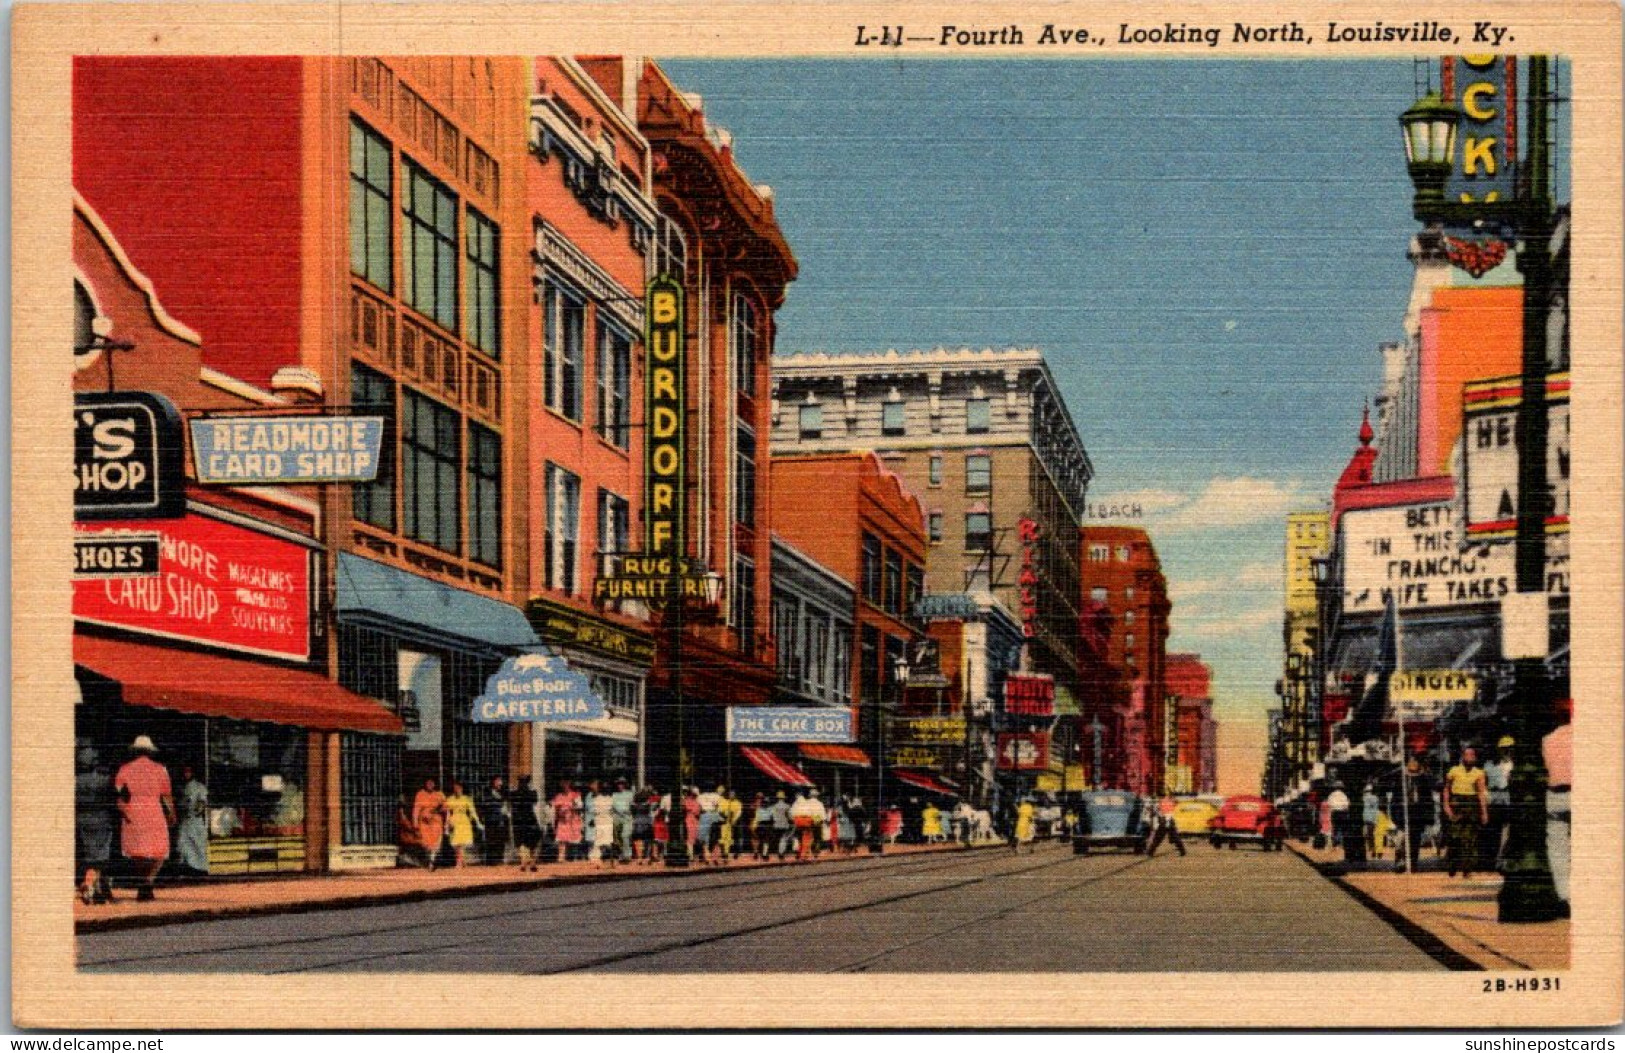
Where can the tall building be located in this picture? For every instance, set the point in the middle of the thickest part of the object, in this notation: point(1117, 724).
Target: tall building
point(1121, 571)
point(1193, 753)
point(986, 440)
point(1306, 542)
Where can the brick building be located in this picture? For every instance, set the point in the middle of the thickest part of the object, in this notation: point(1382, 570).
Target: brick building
point(1193, 753)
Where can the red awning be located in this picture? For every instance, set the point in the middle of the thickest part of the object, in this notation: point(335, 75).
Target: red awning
point(925, 782)
point(775, 767)
point(214, 686)
point(832, 753)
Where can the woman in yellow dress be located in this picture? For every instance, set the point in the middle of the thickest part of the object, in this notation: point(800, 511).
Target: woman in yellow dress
point(731, 808)
point(461, 818)
point(931, 823)
point(1024, 825)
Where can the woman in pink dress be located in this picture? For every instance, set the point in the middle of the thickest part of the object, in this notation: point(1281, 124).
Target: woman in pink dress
point(567, 824)
point(147, 810)
point(691, 818)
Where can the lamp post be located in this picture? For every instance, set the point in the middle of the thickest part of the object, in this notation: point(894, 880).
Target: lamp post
point(900, 671)
point(1429, 127)
point(1315, 701)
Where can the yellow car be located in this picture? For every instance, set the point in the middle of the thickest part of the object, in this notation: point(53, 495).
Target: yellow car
point(1192, 815)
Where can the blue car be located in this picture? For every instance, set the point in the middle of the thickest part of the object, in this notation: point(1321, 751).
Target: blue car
point(1111, 819)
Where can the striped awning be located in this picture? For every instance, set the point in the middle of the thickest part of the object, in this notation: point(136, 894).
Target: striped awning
point(834, 753)
point(775, 767)
point(925, 782)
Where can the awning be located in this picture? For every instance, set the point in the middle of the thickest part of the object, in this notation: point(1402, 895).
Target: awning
point(832, 753)
point(370, 592)
point(215, 686)
point(775, 767)
point(925, 782)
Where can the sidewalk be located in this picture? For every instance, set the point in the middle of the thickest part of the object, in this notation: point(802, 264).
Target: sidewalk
point(358, 888)
point(1458, 914)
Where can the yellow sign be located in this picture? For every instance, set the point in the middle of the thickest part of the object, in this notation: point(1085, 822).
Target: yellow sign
point(1047, 783)
point(664, 452)
point(950, 730)
point(1432, 686)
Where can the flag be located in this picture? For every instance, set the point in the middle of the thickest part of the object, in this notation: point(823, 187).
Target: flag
point(1366, 722)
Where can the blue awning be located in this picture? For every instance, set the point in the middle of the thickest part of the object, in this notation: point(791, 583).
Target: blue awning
point(391, 599)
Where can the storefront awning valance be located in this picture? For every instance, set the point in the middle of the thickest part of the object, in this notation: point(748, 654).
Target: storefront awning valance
point(216, 686)
point(775, 767)
point(925, 782)
point(369, 591)
point(834, 753)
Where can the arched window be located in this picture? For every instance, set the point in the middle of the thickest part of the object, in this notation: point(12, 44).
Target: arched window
point(671, 250)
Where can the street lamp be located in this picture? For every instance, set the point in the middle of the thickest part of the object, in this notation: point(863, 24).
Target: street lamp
point(900, 671)
point(1527, 892)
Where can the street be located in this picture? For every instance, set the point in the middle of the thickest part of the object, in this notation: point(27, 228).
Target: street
point(983, 910)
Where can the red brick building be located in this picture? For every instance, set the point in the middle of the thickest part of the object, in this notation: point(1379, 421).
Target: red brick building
point(1122, 572)
point(1190, 691)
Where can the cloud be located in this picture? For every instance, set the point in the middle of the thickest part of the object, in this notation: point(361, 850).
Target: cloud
point(1227, 503)
point(1215, 622)
point(1230, 325)
point(1253, 578)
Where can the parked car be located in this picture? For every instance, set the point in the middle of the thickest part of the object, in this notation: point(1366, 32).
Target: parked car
point(1194, 815)
point(1111, 819)
point(1247, 820)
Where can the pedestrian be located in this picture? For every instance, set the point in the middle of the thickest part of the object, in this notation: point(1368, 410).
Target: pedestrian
point(620, 807)
point(496, 820)
point(891, 824)
point(730, 808)
point(782, 825)
point(1416, 811)
point(661, 821)
point(801, 816)
point(761, 826)
point(95, 817)
point(589, 819)
point(1337, 815)
point(567, 823)
point(846, 831)
point(192, 832)
point(462, 819)
point(1164, 827)
point(859, 816)
point(429, 816)
point(1558, 750)
point(1025, 825)
point(691, 821)
point(146, 812)
point(527, 827)
point(643, 825)
point(710, 816)
point(408, 848)
point(1370, 811)
point(1498, 779)
point(931, 823)
point(604, 848)
point(1466, 809)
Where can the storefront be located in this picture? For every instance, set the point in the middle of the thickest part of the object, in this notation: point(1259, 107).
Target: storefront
point(425, 649)
point(213, 660)
point(615, 658)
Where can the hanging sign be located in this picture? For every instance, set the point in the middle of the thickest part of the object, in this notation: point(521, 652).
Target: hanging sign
point(1029, 695)
point(116, 554)
point(537, 688)
point(1485, 89)
point(127, 457)
point(1490, 455)
point(1023, 751)
point(666, 417)
point(789, 724)
point(261, 450)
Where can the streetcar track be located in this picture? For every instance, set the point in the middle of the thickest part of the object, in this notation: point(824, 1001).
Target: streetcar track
point(801, 887)
point(912, 864)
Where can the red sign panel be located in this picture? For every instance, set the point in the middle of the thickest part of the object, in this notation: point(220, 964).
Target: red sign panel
point(1028, 580)
point(217, 583)
point(1023, 751)
point(1028, 695)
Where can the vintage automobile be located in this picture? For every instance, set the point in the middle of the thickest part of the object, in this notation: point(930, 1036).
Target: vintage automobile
point(1247, 820)
point(1111, 819)
point(1194, 815)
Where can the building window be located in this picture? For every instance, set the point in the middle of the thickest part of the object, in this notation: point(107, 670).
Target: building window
point(1128, 617)
point(614, 526)
point(933, 526)
point(841, 662)
point(562, 349)
point(913, 589)
point(373, 394)
point(431, 458)
point(978, 531)
point(785, 621)
point(745, 335)
point(810, 421)
point(1098, 595)
point(483, 287)
point(978, 415)
point(1124, 553)
point(978, 473)
point(1100, 553)
point(869, 682)
point(935, 469)
point(614, 384)
point(1128, 641)
point(560, 536)
point(745, 478)
point(893, 418)
point(1128, 593)
point(372, 185)
point(894, 581)
point(815, 671)
point(429, 247)
point(671, 251)
point(484, 495)
point(370, 784)
point(871, 568)
point(744, 603)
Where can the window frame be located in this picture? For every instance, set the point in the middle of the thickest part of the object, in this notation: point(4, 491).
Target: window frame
point(482, 240)
point(484, 483)
point(614, 409)
point(899, 426)
point(744, 336)
point(983, 405)
point(561, 531)
point(981, 461)
point(561, 373)
point(817, 411)
point(417, 453)
point(745, 479)
point(365, 197)
point(970, 534)
point(384, 488)
point(441, 302)
point(872, 584)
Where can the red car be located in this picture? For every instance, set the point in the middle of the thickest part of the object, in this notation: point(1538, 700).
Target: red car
point(1249, 820)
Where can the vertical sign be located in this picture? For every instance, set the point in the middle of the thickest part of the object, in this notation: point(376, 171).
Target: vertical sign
point(1028, 581)
point(665, 416)
point(1485, 89)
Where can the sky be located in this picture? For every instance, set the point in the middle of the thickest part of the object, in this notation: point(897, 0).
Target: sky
point(1207, 252)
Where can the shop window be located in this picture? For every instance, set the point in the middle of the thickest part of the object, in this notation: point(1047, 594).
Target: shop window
point(371, 199)
point(978, 532)
point(430, 464)
point(560, 537)
point(871, 568)
point(369, 786)
point(256, 782)
point(745, 478)
point(978, 415)
point(978, 473)
point(841, 661)
point(614, 385)
point(484, 289)
point(562, 347)
point(429, 246)
point(785, 622)
point(810, 421)
point(621, 694)
point(893, 418)
point(484, 496)
point(816, 670)
point(373, 394)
